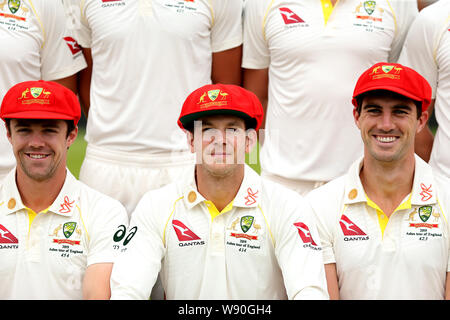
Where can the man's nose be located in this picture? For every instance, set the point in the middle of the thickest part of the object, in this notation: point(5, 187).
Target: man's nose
point(36, 140)
point(386, 124)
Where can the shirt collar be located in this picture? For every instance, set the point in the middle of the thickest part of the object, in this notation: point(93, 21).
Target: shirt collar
point(63, 205)
point(423, 191)
point(248, 195)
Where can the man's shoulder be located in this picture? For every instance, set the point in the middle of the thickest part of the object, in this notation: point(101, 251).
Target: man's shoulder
point(165, 195)
point(333, 189)
point(90, 197)
point(329, 195)
point(443, 185)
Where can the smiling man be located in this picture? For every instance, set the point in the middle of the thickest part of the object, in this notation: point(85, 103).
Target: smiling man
point(384, 225)
point(56, 234)
point(226, 223)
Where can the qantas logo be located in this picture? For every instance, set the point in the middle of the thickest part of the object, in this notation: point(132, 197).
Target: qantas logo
point(290, 17)
point(185, 235)
point(73, 45)
point(351, 230)
point(183, 232)
point(305, 235)
point(6, 236)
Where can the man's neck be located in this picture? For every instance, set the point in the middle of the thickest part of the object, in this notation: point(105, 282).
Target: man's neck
point(39, 195)
point(220, 190)
point(387, 184)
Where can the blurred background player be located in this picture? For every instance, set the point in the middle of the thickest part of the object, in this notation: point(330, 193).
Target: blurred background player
point(56, 234)
point(35, 45)
point(144, 58)
point(427, 50)
point(301, 58)
point(225, 233)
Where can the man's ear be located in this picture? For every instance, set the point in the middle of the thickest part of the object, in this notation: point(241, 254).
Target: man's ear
point(8, 131)
point(422, 121)
point(72, 136)
point(356, 116)
point(189, 139)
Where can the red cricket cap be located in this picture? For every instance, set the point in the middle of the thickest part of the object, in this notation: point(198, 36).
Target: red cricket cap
point(397, 78)
point(215, 99)
point(40, 100)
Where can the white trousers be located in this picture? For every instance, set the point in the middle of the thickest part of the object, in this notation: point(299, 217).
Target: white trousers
point(302, 187)
point(127, 176)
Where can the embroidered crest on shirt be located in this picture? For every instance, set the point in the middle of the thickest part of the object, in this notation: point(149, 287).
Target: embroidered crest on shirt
point(368, 14)
point(14, 15)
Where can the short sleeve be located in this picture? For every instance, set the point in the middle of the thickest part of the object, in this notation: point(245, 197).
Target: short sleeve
point(136, 269)
point(77, 23)
point(324, 230)
point(419, 48)
point(298, 250)
point(226, 32)
point(405, 11)
point(60, 54)
point(107, 222)
point(256, 53)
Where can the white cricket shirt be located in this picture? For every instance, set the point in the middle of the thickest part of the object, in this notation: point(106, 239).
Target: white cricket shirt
point(427, 50)
point(409, 259)
point(263, 247)
point(35, 45)
point(148, 56)
point(46, 257)
point(313, 68)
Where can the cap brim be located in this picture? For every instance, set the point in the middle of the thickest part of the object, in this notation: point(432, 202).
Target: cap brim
point(187, 120)
point(37, 115)
point(390, 88)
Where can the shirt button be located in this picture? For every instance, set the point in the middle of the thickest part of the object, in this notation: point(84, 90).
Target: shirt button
point(192, 196)
point(11, 203)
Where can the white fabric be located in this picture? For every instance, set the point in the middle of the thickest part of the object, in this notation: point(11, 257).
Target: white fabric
point(148, 56)
point(33, 48)
point(410, 261)
point(313, 68)
point(427, 50)
point(127, 179)
point(45, 263)
point(201, 258)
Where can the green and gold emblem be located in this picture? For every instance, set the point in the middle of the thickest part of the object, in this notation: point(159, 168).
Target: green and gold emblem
point(213, 94)
point(69, 228)
point(36, 92)
point(425, 213)
point(246, 223)
point(369, 6)
point(13, 5)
